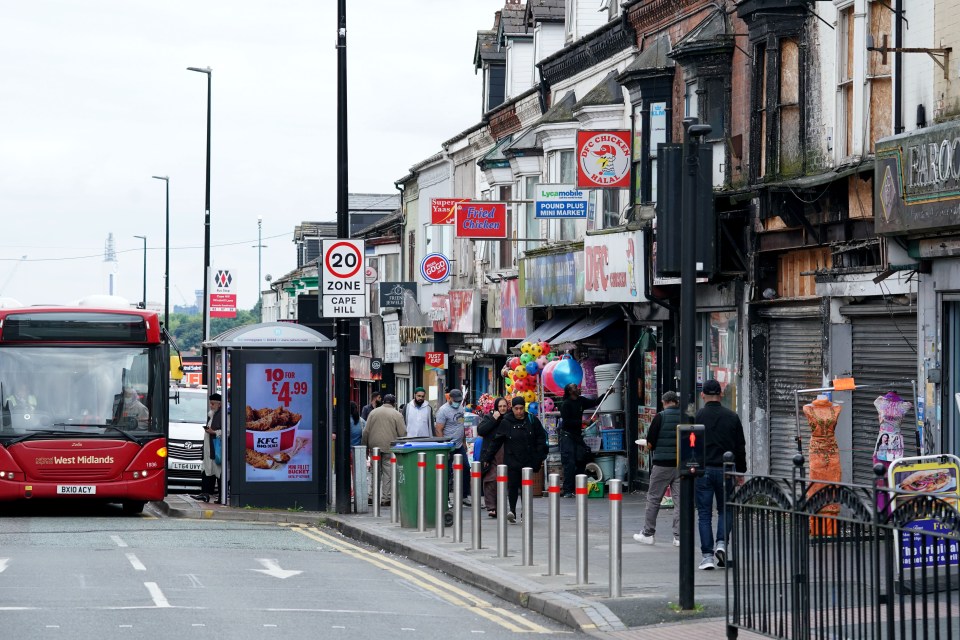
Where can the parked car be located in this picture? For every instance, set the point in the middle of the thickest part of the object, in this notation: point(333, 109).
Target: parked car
point(188, 416)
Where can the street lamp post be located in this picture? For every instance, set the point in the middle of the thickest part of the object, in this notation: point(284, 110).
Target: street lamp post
point(166, 258)
point(259, 247)
point(206, 222)
point(144, 238)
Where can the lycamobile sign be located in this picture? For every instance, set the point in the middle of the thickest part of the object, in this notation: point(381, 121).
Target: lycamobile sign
point(560, 201)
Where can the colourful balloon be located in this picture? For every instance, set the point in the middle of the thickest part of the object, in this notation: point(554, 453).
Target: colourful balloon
point(533, 407)
point(508, 388)
point(544, 348)
point(514, 362)
point(525, 347)
point(548, 404)
point(525, 358)
point(547, 377)
point(532, 368)
point(519, 372)
point(542, 362)
point(529, 395)
point(536, 350)
point(567, 371)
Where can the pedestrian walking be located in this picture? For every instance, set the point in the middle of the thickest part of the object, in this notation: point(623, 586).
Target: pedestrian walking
point(524, 443)
point(574, 452)
point(374, 403)
point(662, 441)
point(449, 425)
point(211, 466)
point(384, 427)
point(487, 430)
point(722, 432)
point(418, 415)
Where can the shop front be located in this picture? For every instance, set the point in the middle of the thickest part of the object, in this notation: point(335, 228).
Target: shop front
point(917, 203)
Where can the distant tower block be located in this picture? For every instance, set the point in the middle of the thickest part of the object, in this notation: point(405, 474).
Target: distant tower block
point(110, 261)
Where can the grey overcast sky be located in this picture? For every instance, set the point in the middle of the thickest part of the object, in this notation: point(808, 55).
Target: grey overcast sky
point(95, 99)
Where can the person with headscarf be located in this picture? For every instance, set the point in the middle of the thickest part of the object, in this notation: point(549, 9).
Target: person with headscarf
point(487, 430)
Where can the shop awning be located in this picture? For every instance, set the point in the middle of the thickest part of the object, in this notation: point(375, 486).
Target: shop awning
point(552, 327)
point(585, 328)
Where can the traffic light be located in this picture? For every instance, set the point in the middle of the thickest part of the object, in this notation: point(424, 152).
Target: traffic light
point(691, 450)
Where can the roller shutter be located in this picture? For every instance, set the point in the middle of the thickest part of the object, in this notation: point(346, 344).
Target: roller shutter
point(795, 362)
point(884, 356)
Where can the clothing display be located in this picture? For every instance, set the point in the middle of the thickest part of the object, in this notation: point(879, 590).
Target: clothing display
point(824, 456)
point(891, 409)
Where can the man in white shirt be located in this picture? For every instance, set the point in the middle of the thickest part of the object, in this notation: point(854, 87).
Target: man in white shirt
point(418, 415)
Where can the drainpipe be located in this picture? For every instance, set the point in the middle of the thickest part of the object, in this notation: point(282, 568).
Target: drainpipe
point(898, 69)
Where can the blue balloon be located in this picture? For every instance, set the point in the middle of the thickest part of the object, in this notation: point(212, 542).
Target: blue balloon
point(532, 368)
point(566, 371)
point(533, 408)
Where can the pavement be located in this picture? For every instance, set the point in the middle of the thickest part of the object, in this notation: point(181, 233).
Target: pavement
point(646, 609)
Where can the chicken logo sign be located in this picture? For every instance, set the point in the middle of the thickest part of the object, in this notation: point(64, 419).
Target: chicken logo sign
point(603, 159)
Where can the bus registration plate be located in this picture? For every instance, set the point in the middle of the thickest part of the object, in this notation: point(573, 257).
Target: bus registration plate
point(76, 489)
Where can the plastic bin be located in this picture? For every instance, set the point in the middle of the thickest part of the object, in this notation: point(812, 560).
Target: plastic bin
point(406, 489)
point(612, 439)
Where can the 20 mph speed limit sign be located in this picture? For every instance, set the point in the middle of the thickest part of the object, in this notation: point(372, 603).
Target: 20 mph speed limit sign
point(343, 288)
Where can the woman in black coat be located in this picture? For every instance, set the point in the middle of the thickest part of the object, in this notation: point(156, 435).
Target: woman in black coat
point(523, 440)
point(487, 430)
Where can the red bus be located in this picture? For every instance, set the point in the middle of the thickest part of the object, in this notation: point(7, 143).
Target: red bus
point(83, 405)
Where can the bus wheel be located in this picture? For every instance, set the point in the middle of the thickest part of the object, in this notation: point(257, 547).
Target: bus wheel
point(133, 507)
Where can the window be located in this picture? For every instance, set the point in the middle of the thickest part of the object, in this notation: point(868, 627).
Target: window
point(496, 86)
point(690, 100)
point(845, 81)
point(531, 227)
point(609, 209)
point(506, 246)
point(391, 267)
point(568, 175)
point(777, 110)
point(789, 109)
point(412, 254)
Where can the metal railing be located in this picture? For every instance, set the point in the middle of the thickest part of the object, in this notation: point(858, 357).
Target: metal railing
point(808, 559)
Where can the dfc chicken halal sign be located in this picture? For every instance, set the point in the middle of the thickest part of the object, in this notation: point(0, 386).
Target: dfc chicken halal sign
point(603, 159)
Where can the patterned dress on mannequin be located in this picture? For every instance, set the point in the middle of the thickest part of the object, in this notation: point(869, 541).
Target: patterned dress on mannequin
point(891, 409)
point(824, 457)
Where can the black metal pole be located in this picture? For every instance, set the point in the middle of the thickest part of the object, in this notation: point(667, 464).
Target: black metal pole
point(341, 372)
point(206, 224)
point(688, 343)
point(166, 263)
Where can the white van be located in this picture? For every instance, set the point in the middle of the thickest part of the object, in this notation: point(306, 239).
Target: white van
point(188, 416)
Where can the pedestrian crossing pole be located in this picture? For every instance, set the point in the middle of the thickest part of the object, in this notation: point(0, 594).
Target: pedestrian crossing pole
point(688, 340)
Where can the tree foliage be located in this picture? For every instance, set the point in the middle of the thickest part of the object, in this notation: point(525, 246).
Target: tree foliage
point(187, 330)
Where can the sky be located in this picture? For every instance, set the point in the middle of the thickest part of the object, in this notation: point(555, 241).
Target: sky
point(95, 98)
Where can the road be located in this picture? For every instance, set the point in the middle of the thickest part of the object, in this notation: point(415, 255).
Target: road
point(94, 573)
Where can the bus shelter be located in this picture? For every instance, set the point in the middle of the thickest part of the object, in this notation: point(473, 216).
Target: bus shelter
point(278, 415)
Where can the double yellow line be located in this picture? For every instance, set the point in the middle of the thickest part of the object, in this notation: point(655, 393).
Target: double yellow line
point(442, 589)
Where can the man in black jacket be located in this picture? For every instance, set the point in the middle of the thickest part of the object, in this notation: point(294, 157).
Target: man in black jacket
point(662, 441)
point(722, 432)
point(524, 443)
point(574, 453)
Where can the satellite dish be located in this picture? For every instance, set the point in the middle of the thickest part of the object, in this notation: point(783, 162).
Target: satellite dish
point(268, 277)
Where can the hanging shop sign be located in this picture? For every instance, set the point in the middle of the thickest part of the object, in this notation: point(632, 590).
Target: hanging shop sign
point(434, 360)
point(223, 295)
point(553, 280)
point(493, 315)
point(560, 201)
point(513, 317)
point(376, 368)
point(366, 342)
point(481, 220)
point(443, 210)
point(917, 181)
point(603, 159)
point(457, 311)
point(613, 267)
point(360, 368)
point(414, 335)
point(435, 267)
point(393, 293)
point(391, 341)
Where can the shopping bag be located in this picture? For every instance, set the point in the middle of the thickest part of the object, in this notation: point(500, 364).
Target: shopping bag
point(217, 450)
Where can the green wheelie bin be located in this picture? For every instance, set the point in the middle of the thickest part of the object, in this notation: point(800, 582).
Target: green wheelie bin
point(406, 451)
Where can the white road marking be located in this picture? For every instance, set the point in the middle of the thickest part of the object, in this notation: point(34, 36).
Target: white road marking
point(198, 624)
point(3, 564)
point(406, 629)
point(158, 598)
point(18, 608)
point(336, 626)
point(270, 625)
point(126, 626)
point(53, 626)
point(271, 568)
point(136, 562)
point(119, 541)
